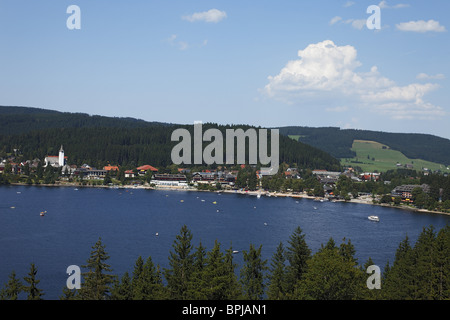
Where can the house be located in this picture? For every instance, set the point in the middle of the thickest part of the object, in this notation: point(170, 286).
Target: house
point(405, 191)
point(169, 180)
point(325, 173)
point(129, 174)
point(142, 170)
point(265, 172)
point(96, 174)
point(369, 176)
point(205, 177)
point(111, 169)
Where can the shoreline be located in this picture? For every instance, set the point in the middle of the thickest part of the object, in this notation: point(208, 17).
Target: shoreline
point(365, 200)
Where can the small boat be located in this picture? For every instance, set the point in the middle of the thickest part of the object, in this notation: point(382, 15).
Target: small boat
point(374, 218)
point(265, 223)
point(258, 196)
point(203, 200)
point(43, 213)
point(157, 234)
point(235, 251)
point(315, 208)
point(214, 202)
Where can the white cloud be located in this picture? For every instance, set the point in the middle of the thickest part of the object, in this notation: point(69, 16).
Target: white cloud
point(384, 5)
point(335, 20)
point(213, 15)
point(348, 4)
point(421, 26)
point(424, 76)
point(357, 23)
point(327, 73)
point(173, 41)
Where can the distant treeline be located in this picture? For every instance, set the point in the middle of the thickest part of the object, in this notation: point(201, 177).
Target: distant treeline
point(338, 142)
point(98, 140)
point(419, 272)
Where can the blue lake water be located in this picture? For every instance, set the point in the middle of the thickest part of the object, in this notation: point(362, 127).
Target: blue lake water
point(127, 220)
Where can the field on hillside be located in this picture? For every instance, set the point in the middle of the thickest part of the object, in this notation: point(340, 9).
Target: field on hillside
point(371, 156)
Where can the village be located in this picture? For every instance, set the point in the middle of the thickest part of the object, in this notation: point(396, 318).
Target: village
point(222, 180)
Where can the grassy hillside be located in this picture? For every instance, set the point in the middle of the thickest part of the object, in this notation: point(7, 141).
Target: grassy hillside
point(371, 156)
point(339, 142)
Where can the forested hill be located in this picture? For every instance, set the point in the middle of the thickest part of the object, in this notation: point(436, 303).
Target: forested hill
point(17, 120)
point(98, 140)
point(338, 142)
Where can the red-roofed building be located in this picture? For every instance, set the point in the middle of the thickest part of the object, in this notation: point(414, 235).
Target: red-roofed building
point(111, 168)
point(129, 174)
point(143, 169)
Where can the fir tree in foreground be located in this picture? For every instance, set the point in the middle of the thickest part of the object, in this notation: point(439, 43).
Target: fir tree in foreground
point(97, 283)
point(419, 272)
point(33, 292)
point(180, 265)
point(12, 288)
point(277, 275)
point(253, 274)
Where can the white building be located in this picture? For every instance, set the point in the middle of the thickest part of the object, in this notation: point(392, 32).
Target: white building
point(56, 161)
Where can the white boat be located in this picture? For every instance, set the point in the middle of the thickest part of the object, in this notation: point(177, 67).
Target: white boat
point(259, 195)
point(235, 251)
point(374, 218)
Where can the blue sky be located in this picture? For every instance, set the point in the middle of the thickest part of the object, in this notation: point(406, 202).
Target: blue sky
point(268, 63)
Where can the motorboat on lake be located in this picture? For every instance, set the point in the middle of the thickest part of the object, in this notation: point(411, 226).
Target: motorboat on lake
point(374, 218)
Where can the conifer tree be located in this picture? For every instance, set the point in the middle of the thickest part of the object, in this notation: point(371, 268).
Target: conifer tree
point(234, 290)
point(12, 288)
point(442, 264)
point(253, 274)
point(137, 271)
point(399, 283)
point(69, 294)
point(149, 284)
point(122, 289)
point(277, 275)
point(219, 277)
point(180, 262)
point(197, 281)
point(298, 254)
point(33, 293)
point(424, 272)
point(329, 277)
point(96, 282)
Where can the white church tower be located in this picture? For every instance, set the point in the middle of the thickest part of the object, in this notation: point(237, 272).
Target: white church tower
point(61, 157)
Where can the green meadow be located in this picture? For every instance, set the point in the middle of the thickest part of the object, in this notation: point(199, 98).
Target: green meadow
point(371, 156)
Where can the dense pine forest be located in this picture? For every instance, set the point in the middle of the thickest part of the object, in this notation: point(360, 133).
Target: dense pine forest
point(421, 271)
point(98, 140)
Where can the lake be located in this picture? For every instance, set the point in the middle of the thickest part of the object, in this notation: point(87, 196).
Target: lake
point(127, 220)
